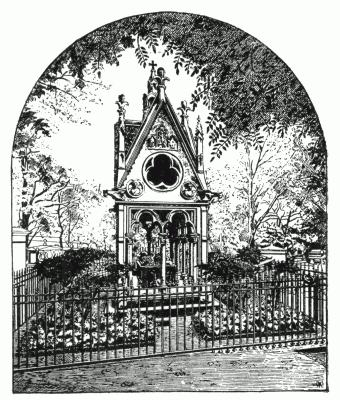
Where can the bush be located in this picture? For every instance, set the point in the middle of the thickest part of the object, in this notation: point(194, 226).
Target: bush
point(64, 267)
point(226, 267)
point(249, 254)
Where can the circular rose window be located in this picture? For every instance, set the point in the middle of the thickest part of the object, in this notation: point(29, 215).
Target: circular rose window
point(162, 171)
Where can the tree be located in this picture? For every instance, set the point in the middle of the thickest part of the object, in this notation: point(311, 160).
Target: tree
point(98, 228)
point(41, 179)
point(315, 204)
point(228, 215)
point(242, 80)
point(265, 190)
point(29, 129)
point(70, 207)
point(37, 179)
point(246, 86)
point(310, 195)
point(244, 83)
point(268, 172)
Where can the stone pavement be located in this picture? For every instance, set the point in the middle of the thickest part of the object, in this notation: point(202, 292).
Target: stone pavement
point(255, 370)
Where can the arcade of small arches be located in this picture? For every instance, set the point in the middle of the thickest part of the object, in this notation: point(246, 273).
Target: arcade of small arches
point(162, 245)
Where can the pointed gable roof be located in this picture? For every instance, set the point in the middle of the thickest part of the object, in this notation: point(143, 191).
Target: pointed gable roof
point(157, 105)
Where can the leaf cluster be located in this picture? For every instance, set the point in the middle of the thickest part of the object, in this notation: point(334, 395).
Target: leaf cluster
point(64, 267)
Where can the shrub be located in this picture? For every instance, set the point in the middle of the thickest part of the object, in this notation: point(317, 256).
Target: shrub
point(64, 267)
point(226, 267)
point(249, 254)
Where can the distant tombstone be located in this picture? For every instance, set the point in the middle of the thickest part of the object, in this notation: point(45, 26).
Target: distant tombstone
point(316, 254)
point(19, 237)
point(32, 256)
point(274, 252)
point(134, 281)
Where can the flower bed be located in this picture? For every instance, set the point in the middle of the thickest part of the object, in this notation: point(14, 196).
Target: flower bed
point(257, 320)
point(71, 331)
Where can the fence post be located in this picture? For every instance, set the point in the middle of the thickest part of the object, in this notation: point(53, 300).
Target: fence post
point(26, 324)
point(316, 290)
point(212, 315)
point(18, 324)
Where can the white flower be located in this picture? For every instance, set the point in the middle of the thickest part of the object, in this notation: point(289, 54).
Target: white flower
point(87, 325)
point(68, 333)
point(102, 338)
point(86, 337)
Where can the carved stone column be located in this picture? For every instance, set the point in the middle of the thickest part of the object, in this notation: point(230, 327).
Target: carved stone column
point(120, 138)
point(176, 256)
point(183, 256)
point(163, 237)
point(179, 246)
point(194, 239)
point(204, 234)
point(129, 242)
point(121, 235)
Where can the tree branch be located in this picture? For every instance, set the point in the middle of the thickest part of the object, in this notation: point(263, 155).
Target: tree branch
point(49, 187)
point(49, 87)
point(259, 221)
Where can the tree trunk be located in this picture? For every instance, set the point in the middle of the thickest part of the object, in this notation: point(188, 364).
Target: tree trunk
point(25, 217)
point(24, 221)
point(69, 232)
point(251, 211)
point(60, 222)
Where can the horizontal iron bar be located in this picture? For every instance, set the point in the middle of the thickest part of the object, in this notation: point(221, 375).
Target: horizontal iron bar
point(231, 347)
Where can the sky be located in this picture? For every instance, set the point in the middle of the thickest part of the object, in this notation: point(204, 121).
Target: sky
point(88, 149)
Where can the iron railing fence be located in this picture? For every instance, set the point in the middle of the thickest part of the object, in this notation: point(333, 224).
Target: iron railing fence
point(92, 325)
point(30, 282)
point(313, 266)
point(31, 279)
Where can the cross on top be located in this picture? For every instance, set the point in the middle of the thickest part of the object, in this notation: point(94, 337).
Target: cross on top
point(152, 64)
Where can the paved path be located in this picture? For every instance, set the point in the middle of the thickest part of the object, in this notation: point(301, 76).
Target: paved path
point(254, 370)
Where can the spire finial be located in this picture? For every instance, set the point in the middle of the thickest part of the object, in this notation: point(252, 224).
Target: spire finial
point(161, 78)
point(184, 108)
point(199, 145)
point(199, 129)
point(122, 104)
point(152, 84)
point(156, 83)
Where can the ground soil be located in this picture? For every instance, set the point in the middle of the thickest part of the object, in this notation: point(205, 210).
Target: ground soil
point(255, 370)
